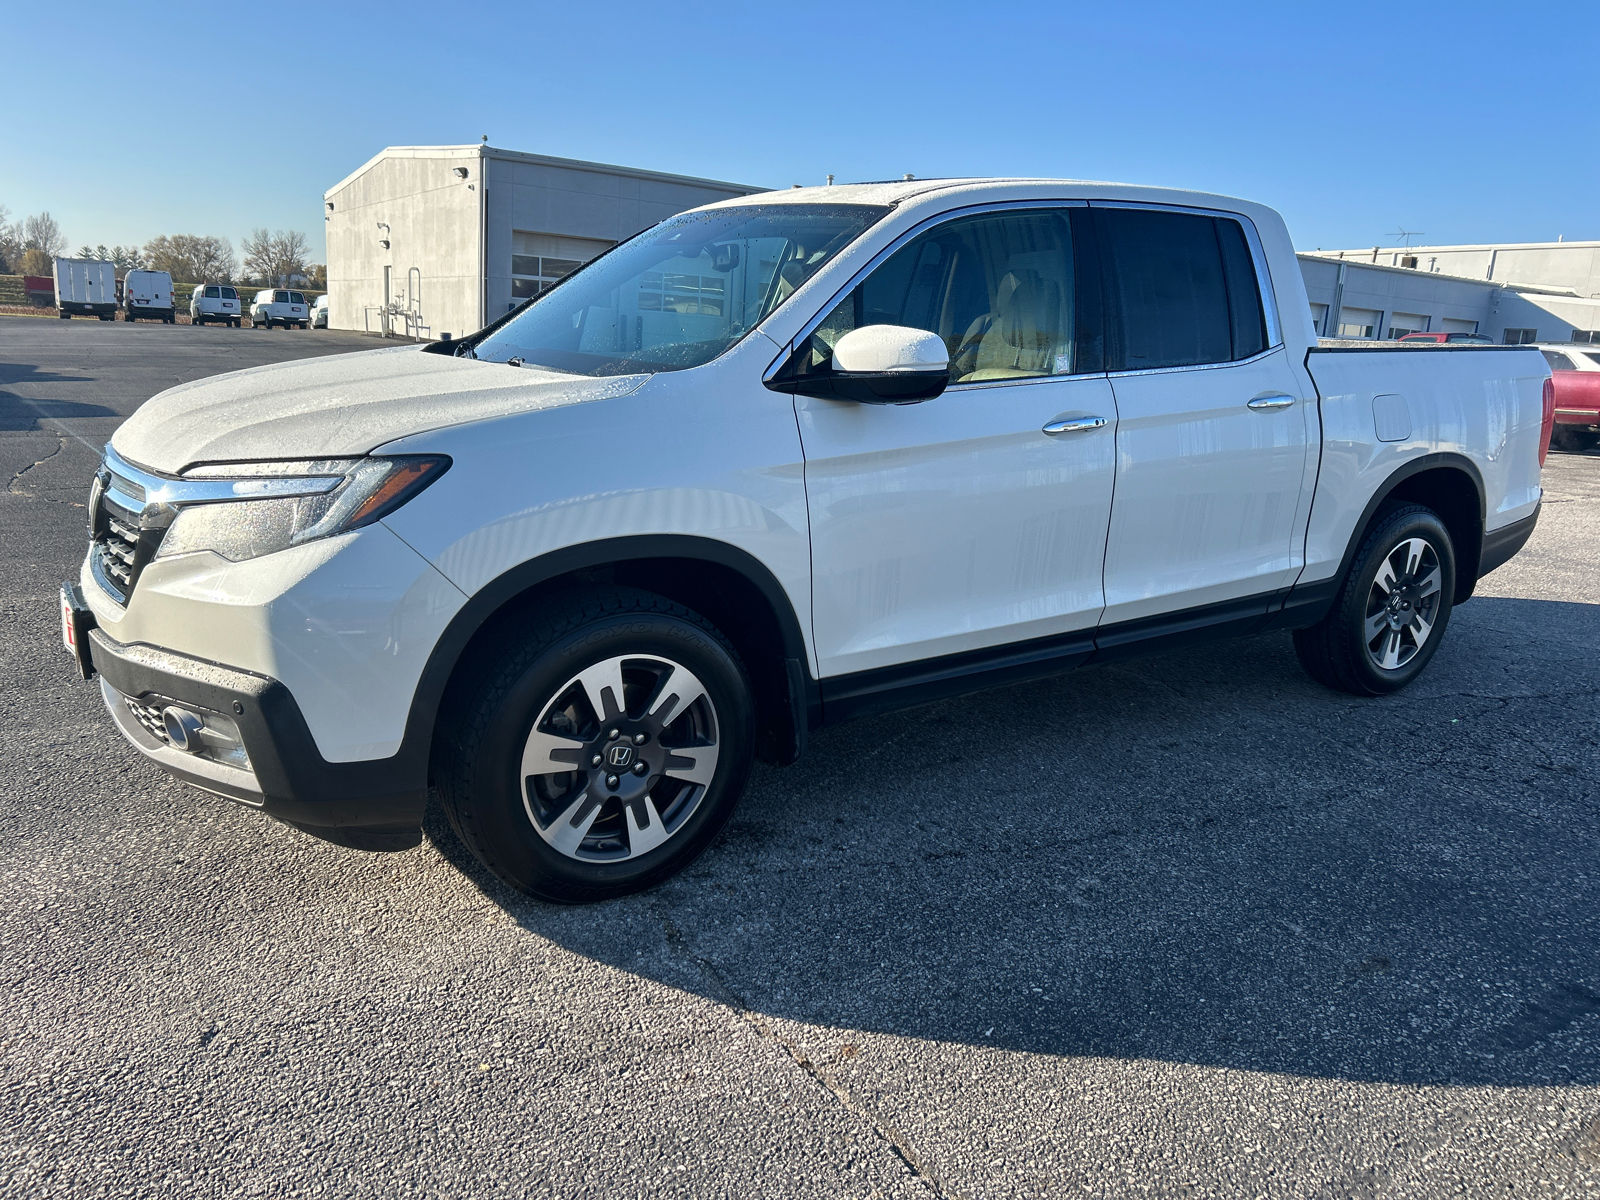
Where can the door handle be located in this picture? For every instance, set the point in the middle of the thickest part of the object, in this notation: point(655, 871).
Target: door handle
point(1074, 425)
point(1263, 403)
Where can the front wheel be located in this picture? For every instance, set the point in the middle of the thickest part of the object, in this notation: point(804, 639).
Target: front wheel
point(1392, 609)
point(597, 745)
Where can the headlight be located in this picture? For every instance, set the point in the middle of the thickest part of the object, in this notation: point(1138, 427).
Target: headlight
point(275, 505)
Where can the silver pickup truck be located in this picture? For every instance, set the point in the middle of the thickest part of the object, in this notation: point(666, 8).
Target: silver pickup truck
point(776, 463)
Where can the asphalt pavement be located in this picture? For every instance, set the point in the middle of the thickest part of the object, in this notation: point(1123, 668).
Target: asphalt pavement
point(1186, 926)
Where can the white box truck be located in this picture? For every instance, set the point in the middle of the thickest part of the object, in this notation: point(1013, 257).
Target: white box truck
point(148, 294)
point(86, 287)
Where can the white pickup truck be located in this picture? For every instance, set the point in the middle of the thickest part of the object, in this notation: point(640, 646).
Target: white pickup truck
point(778, 462)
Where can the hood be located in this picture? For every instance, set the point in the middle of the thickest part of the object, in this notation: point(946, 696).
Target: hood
point(341, 406)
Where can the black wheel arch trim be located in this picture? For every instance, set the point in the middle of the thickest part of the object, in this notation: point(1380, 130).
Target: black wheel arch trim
point(1307, 603)
point(493, 596)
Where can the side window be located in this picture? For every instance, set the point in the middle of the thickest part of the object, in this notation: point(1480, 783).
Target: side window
point(998, 288)
point(1559, 361)
point(1181, 289)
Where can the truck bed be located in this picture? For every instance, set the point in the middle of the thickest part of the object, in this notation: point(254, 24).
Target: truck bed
point(1386, 408)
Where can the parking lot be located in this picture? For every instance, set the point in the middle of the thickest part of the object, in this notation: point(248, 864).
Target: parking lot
point(1190, 925)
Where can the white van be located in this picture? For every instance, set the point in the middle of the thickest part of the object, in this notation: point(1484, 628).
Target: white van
point(319, 313)
point(214, 302)
point(148, 294)
point(86, 287)
point(277, 306)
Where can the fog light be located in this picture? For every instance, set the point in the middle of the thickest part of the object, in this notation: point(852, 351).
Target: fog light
point(183, 729)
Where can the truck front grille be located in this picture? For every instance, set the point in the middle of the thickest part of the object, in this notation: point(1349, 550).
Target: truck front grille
point(120, 546)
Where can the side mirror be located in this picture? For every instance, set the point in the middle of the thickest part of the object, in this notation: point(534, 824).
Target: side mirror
point(884, 364)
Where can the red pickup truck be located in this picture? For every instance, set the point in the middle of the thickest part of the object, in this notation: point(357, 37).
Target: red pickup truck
point(1575, 373)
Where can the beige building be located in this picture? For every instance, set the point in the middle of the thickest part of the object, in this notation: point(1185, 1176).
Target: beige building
point(429, 240)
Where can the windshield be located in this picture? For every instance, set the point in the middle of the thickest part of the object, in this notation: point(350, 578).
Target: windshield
point(679, 294)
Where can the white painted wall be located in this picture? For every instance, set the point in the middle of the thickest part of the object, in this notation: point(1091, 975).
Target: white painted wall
point(434, 223)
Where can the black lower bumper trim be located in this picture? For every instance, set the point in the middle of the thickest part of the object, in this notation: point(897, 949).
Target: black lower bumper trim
point(382, 798)
point(1501, 545)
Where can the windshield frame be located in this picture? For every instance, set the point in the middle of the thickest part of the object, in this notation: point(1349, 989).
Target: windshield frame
point(870, 216)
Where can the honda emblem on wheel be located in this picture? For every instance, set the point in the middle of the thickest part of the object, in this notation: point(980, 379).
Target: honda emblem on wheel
point(620, 756)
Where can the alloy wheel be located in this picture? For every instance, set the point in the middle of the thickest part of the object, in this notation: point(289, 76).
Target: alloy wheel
point(1403, 604)
point(617, 763)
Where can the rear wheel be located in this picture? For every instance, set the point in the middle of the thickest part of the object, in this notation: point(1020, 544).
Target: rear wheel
point(1392, 609)
point(598, 746)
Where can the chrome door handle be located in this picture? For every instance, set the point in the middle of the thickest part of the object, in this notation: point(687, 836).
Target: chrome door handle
point(1261, 403)
point(1074, 425)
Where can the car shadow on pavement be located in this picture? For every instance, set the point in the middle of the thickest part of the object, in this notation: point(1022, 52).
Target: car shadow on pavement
point(1202, 857)
point(19, 414)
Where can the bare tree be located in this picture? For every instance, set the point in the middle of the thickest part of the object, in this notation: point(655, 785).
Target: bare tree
point(10, 243)
point(270, 257)
point(191, 258)
point(42, 232)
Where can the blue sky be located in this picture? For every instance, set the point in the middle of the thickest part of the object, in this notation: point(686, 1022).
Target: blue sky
point(1469, 122)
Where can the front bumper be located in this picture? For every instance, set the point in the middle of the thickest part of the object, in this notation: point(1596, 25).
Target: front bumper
point(375, 804)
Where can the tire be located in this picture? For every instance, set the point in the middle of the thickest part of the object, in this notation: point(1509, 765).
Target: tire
point(1574, 440)
point(543, 676)
point(1378, 638)
point(65, 316)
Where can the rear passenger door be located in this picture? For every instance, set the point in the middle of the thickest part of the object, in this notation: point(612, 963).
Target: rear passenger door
point(1213, 434)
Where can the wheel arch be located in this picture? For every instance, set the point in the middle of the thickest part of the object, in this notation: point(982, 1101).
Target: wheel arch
point(1449, 484)
point(726, 585)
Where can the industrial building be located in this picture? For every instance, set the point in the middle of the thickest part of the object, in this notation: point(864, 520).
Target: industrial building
point(1516, 293)
point(429, 240)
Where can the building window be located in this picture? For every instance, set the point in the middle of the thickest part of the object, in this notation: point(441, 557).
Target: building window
point(1359, 322)
point(1520, 337)
point(1586, 335)
point(1403, 323)
point(541, 260)
point(668, 291)
point(1319, 314)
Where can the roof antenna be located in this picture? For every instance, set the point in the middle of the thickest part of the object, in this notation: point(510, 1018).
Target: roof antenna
point(1407, 234)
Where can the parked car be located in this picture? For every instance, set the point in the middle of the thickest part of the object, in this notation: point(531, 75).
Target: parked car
point(773, 464)
point(85, 287)
point(147, 295)
point(275, 306)
point(1575, 374)
point(214, 302)
point(1464, 339)
point(319, 313)
point(40, 290)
